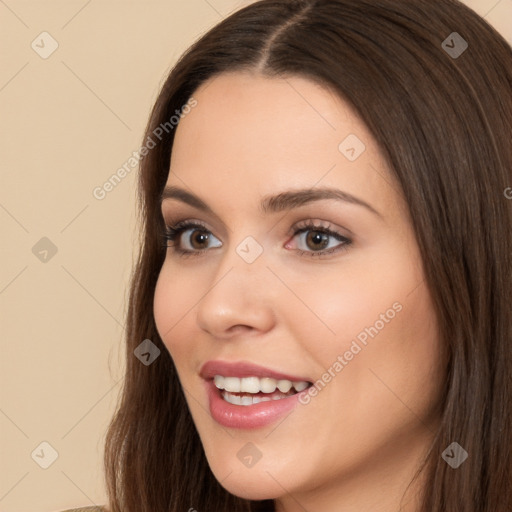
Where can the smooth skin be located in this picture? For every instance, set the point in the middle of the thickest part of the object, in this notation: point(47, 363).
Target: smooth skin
point(356, 445)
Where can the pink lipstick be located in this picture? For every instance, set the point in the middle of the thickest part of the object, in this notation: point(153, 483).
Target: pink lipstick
point(245, 395)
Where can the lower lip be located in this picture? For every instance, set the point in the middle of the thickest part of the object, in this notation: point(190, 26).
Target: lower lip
point(247, 416)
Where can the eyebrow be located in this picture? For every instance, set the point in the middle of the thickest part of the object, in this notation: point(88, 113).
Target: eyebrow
point(275, 203)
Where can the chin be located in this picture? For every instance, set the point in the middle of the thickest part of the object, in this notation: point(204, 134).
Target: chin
point(249, 489)
point(254, 483)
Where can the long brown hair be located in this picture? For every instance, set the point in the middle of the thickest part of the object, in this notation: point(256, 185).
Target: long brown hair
point(443, 120)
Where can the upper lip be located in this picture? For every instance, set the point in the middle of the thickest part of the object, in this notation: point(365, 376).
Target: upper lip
point(244, 369)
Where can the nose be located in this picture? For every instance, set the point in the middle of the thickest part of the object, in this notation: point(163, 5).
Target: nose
point(239, 299)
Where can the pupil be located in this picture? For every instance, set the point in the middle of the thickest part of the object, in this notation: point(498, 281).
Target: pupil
point(200, 237)
point(318, 238)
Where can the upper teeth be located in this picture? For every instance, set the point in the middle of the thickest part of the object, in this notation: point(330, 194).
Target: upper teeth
point(255, 384)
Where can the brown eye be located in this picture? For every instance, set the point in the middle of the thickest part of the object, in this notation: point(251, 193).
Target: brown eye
point(199, 239)
point(313, 240)
point(190, 238)
point(316, 240)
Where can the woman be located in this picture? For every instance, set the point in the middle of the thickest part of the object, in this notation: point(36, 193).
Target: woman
point(320, 314)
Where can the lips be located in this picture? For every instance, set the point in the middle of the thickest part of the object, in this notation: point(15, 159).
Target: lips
point(244, 369)
point(245, 395)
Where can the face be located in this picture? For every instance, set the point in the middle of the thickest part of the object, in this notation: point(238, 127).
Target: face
point(301, 269)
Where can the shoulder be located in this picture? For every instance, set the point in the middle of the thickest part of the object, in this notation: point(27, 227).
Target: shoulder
point(86, 509)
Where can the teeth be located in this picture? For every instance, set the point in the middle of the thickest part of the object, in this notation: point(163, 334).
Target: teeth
point(232, 399)
point(255, 385)
point(300, 386)
point(284, 385)
point(219, 381)
point(268, 385)
point(249, 400)
point(232, 384)
point(246, 400)
point(247, 385)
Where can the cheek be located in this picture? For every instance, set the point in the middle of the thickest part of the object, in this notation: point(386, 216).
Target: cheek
point(372, 329)
point(173, 299)
point(332, 307)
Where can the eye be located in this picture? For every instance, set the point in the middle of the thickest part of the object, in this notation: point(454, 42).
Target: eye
point(185, 244)
point(192, 238)
point(318, 240)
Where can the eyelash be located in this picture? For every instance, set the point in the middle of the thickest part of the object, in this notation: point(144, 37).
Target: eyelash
point(174, 232)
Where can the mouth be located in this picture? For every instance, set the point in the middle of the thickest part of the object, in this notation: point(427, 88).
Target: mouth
point(253, 390)
point(244, 395)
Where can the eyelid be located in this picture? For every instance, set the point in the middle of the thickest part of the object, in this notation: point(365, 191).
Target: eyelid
point(173, 216)
point(315, 223)
point(311, 226)
point(176, 231)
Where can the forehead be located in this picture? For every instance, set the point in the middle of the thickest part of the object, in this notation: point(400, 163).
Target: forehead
point(251, 135)
point(254, 109)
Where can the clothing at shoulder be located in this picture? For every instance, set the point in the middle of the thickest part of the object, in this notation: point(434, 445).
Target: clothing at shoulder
point(86, 509)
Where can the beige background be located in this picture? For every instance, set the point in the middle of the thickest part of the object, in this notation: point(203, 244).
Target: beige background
point(68, 123)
